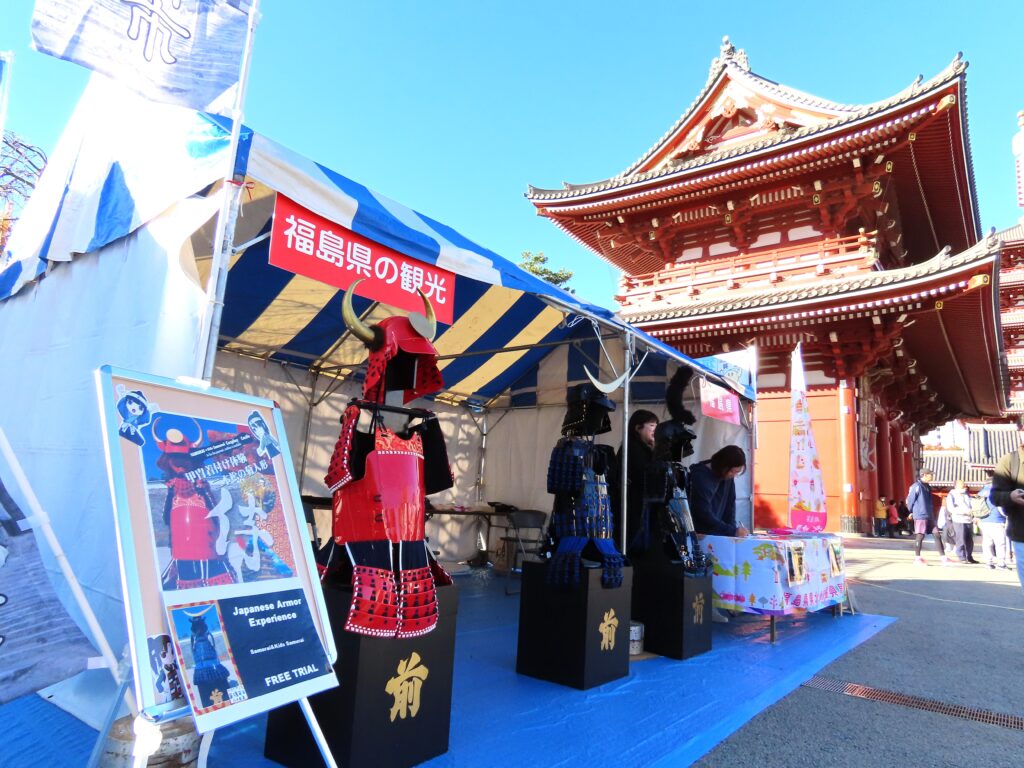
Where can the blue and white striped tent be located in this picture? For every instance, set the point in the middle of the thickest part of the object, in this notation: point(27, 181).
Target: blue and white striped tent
point(506, 319)
point(108, 263)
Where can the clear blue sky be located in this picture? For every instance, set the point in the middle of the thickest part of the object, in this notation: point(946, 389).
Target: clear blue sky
point(453, 107)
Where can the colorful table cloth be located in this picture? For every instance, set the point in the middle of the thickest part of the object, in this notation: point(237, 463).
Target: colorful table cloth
point(777, 575)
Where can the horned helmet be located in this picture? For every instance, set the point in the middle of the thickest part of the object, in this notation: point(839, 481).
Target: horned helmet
point(402, 356)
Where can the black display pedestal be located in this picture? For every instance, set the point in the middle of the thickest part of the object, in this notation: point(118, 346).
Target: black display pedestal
point(363, 723)
point(576, 636)
point(674, 606)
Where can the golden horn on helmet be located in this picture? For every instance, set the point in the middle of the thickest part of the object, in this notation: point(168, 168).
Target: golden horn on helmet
point(359, 329)
point(427, 329)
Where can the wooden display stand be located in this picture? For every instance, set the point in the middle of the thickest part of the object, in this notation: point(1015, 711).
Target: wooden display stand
point(575, 636)
point(674, 606)
point(364, 723)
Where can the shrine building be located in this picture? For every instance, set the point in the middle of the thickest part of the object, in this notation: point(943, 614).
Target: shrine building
point(768, 217)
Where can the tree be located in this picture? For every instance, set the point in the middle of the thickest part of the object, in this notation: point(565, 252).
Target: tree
point(20, 167)
point(536, 263)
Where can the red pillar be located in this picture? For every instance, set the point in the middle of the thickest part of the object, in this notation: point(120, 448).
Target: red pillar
point(883, 456)
point(848, 456)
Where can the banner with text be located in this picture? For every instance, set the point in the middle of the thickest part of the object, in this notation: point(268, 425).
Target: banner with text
point(310, 245)
point(210, 529)
point(806, 490)
point(719, 403)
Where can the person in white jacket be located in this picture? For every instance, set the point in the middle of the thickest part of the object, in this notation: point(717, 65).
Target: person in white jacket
point(958, 506)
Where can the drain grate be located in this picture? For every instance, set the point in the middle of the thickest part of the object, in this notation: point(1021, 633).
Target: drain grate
point(915, 702)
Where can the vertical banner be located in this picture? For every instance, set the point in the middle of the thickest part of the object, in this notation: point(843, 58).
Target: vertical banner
point(39, 643)
point(216, 563)
point(806, 492)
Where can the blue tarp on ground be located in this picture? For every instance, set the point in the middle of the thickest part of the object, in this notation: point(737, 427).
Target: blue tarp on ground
point(665, 713)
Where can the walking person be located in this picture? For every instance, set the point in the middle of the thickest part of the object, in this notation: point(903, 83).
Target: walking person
point(993, 530)
point(922, 510)
point(958, 505)
point(1008, 493)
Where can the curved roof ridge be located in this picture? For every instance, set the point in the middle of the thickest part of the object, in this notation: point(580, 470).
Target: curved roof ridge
point(950, 72)
point(735, 63)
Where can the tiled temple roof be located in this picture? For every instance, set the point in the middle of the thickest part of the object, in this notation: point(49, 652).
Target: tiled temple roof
point(987, 443)
point(752, 300)
point(735, 66)
point(950, 466)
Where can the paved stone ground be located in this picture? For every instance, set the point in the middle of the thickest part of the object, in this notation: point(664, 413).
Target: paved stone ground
point(957, 640)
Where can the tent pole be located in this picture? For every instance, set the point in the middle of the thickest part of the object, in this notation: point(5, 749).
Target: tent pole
point(224, 234)
point(627, 345)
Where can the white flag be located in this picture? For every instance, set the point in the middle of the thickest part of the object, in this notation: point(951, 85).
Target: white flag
point(186, 52)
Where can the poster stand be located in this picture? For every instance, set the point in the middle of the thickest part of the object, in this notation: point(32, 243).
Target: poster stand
point(267, 623)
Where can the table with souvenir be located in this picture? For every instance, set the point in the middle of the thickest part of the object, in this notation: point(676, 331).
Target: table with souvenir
point(777, 573)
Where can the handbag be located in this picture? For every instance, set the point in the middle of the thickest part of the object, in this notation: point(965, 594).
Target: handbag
point(979, 508)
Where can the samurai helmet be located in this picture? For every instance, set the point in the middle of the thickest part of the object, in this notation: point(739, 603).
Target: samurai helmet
point(402, 356)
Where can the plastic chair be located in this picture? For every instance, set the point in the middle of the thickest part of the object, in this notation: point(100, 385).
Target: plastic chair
point(527, 531)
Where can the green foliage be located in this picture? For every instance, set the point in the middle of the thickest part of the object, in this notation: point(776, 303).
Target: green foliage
point(536, 263)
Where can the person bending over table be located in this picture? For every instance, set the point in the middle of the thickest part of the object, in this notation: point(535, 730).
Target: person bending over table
point(713, 492)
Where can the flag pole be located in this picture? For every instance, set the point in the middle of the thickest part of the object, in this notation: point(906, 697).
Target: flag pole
point(224, 234)
point(6, 61)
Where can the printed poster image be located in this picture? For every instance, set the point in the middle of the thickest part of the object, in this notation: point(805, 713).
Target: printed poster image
point(211, 676)
point(224, 611)
point(215, 502)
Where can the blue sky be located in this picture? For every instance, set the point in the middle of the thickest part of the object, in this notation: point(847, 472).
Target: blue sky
point(453, 107)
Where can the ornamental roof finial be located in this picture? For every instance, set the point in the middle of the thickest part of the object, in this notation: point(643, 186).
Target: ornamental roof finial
point(728, 52)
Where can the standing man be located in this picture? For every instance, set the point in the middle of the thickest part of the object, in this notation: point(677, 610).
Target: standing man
point(922, 510)
point(881, 516)
point(993, 531)
point(1008, 493)
point(958, 504)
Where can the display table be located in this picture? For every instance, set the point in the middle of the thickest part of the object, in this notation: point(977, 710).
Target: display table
point(484, 513)
point(777, 575)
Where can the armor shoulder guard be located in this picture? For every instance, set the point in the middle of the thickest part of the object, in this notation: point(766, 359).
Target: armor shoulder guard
point(342, 469)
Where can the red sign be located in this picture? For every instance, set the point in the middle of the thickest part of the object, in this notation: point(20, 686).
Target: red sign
point(312, 246)
point(719, 403)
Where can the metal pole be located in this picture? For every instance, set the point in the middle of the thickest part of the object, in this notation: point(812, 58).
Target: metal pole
point(224, 234)
point(627, 343)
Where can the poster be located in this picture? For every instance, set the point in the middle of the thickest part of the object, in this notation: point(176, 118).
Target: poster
point(307, 244)
point(806, 488)
point(217, 566)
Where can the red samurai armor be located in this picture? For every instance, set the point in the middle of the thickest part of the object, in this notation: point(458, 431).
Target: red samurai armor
point(379, 481)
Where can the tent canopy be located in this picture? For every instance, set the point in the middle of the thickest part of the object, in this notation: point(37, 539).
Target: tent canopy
point(506, 319)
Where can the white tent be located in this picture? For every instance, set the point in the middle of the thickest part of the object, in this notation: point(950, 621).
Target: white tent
point(128, 199)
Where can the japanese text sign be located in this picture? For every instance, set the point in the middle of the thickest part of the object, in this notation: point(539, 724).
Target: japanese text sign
point(719, 403)
point(310, 245)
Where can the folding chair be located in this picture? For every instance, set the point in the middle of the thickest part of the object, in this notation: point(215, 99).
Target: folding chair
point(526, 527)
